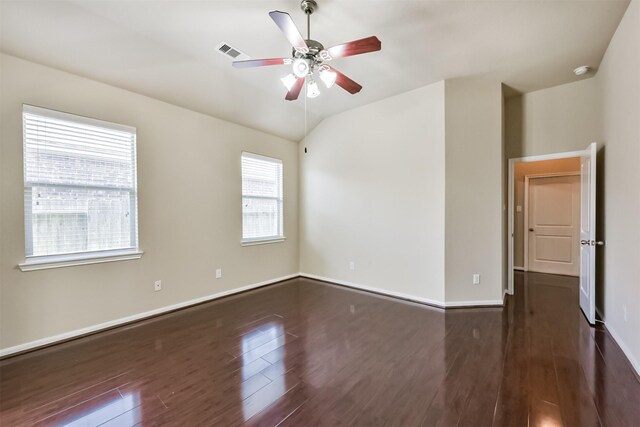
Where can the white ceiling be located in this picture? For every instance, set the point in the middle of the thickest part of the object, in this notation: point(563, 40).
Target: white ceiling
point(166, 49)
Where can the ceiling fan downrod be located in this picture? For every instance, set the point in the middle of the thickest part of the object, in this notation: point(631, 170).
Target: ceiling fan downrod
point(308, 7)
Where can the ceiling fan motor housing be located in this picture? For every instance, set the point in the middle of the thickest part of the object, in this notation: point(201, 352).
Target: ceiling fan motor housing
point(315, 47)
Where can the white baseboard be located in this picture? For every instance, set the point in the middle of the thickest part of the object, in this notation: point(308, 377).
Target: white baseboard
point(414, 298)
point(475, 303)
point(518, 268)
point(626, 350)
point(110, 324)
point(428, 301)
point(616, 337)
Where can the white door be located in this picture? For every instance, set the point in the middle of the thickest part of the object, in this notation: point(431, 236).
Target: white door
point(553, 229)
point(588, 234)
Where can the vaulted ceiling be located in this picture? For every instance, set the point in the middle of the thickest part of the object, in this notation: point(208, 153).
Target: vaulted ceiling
point(167, 49)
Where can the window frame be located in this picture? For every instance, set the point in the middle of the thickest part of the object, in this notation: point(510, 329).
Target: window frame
point(39, 262)
point(251, 241)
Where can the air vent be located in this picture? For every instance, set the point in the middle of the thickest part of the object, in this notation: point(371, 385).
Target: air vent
point(231, 52)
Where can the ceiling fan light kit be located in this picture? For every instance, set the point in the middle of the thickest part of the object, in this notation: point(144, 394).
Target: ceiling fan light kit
point(288, 81)
point(301, 67)
point(312, 89)
point(327, 76)
point(308, 57)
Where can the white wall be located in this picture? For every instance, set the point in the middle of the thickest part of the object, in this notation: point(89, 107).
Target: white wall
point(474, 196)
point(409, 188)
point(618, 82)
point(189, 209)
point(558, 119)
point(372, 192)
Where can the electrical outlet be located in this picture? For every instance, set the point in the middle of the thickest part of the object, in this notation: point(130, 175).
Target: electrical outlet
point(218, 273)
point(352, 266)
point(476, 279)
point(157, 285)
point(624, 311)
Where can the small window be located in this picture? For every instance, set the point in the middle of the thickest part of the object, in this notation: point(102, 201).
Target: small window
point(261, 198)
point(80, 195)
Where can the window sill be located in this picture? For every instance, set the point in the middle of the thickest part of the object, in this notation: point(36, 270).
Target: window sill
point(254, 242)
point(59, 261)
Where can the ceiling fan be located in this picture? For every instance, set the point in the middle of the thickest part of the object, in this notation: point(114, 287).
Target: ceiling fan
point(309, 57)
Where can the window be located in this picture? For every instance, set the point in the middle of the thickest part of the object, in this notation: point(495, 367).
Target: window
point(261, 198)
point(80, 198)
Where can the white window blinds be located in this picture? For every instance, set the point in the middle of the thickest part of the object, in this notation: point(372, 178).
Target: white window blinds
point(261, 198)
point(79, 184)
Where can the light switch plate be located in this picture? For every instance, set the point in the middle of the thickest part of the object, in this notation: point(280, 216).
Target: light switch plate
point(518, 208)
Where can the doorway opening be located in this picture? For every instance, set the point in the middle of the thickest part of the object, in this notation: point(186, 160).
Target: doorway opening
point(551, 219)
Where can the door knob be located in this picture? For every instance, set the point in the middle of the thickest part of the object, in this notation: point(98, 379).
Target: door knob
point(585, 242)
point(597, 242)
point(531, 229)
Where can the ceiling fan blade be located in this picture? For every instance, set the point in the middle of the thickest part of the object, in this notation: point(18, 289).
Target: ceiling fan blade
point(261, 62)
point(293, 94)
point(285, 23)
point(345, 82)
point(356, 47)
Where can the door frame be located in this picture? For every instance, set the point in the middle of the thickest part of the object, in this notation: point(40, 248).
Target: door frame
point(526, 207)
point(511, 201)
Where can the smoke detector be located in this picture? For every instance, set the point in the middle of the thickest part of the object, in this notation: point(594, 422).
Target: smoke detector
point(582, 70)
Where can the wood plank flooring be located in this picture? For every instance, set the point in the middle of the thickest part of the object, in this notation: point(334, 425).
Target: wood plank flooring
point(307, 353)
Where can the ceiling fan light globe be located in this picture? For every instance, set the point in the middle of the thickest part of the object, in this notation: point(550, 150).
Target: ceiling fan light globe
point(328, 78)
point(300, 67)
point(288, 81)
point(312, 89)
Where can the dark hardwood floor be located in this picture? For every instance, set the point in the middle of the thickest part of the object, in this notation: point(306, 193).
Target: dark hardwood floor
point(307, 353)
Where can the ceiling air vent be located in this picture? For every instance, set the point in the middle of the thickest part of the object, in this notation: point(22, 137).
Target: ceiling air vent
point(232, 52)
